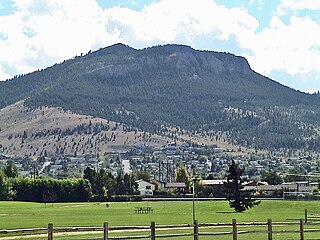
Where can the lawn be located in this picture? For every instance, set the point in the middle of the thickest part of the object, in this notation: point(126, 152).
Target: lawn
point(30, 215)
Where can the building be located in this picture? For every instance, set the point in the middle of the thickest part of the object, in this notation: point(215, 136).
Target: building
point(179, 187)
point(145, 187)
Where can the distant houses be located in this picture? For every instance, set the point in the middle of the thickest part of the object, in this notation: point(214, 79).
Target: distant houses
point(289, 190)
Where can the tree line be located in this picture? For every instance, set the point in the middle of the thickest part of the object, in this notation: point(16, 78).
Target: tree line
point(95, 186)
point(106, 186)
point(100, 185)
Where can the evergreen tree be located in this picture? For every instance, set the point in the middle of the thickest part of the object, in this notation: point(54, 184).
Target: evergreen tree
point(119, 188)
point(130, 185)
point(142, 175)
point(271, 178)
point(183, 176)
point(5, 187)
point(11, 170)
point(238, 198)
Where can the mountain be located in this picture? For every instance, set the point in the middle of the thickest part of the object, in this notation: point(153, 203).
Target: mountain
point(174, 90)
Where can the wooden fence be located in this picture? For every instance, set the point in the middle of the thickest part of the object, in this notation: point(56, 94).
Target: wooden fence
point(311, 216)
point(196, 230)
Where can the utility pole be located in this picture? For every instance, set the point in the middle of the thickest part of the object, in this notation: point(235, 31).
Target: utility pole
point(168, 170)
point(173, 170)
point(159, 170)
point(193, 209)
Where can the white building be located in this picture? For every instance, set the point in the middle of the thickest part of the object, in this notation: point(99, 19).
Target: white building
point(145, 188)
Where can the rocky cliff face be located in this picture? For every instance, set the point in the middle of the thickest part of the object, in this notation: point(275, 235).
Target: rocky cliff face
point(212, 61)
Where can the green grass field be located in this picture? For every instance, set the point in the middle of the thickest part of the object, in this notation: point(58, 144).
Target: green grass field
point(30, 215)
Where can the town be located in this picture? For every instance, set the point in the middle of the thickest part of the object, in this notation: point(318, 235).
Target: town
point(293, 177)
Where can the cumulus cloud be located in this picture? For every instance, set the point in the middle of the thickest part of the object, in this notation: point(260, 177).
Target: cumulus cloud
point(293, 5)
point(40, 33)
point(287, 47)
point(169, 21)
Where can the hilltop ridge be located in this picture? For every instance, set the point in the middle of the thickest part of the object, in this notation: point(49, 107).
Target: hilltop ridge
point(174, 89)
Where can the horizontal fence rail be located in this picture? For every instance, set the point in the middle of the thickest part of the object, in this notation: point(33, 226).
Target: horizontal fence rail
point(23, 230)
point(195, 230)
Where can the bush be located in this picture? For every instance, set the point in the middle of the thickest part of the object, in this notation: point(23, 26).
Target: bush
point(97, 198)
point(125, 198)
point(162, 193)
point(51, 190)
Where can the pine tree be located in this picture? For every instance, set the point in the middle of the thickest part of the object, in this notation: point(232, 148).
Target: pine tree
point(238, 198)
point(11, 170)
point(5, 187)
point(183, 176)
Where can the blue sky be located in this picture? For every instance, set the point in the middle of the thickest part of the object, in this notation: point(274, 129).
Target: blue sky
point(280, 38)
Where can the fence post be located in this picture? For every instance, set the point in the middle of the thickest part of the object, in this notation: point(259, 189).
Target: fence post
point(305, 215)
point(269, 229)
point(50, 231)
point(105, 231)
point(301, 229)
point(196, 230)
point(153, 230)
point(234, 229)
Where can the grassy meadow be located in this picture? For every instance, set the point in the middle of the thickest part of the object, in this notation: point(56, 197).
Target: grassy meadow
point(30, 215)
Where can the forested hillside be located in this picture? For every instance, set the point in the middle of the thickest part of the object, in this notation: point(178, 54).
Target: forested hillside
point(175, 88)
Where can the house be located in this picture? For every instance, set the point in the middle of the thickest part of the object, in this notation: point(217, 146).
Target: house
point(300, 190)
point(266, 190)
point(254, 183)
point(214, 187)
point(145, 187)
point(213, 182)
point(180, 187)
point(218, 150)
point(299, 187)
point(171, 148)
point(160, 184)
point(285, 190)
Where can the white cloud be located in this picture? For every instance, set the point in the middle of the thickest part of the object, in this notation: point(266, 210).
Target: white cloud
point(289, 48)
point(4, 75)
point(42, 32)
point(169, 21)
point(292, 5)
point(282, 46)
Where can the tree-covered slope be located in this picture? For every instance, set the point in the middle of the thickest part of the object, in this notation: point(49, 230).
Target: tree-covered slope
point(158, 88)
